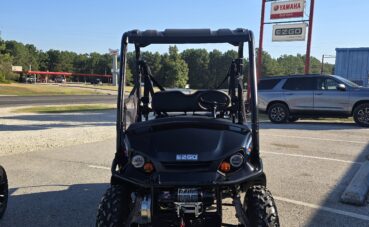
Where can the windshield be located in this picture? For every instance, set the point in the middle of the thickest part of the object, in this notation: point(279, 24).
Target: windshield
point(346, 81)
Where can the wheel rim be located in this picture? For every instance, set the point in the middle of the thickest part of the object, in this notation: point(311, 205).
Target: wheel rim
point(363, 115)
point(278, 114)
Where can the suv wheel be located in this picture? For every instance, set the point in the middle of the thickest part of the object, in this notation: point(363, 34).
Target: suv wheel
point(361, 115)
point(278, 113)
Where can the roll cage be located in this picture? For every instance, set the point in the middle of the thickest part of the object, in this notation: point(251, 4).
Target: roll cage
point(143, 76)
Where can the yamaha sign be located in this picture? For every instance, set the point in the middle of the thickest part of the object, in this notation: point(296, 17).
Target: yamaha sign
point(289, 32)
point(287, 9)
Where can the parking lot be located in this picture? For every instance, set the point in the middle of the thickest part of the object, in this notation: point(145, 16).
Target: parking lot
point(308, 166)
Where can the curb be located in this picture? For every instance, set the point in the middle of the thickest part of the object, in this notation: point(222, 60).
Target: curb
point(357, 190)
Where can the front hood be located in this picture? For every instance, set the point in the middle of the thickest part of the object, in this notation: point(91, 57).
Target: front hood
point(183, 139)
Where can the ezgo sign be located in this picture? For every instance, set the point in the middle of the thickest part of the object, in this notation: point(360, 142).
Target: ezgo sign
point(287, 9)
point(289, 32)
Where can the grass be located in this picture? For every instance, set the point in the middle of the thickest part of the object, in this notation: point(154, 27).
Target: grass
point(42, 89)
point(65, 109)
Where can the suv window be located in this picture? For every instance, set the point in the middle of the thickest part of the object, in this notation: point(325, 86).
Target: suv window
point(327, 84)
point(300, 84)
point(268, 84)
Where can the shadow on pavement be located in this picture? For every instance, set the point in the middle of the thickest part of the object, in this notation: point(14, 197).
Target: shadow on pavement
point(60, 205)
point(332, 200)
point(88, 119)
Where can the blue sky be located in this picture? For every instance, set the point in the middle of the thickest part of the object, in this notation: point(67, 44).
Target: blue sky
point(95, 25)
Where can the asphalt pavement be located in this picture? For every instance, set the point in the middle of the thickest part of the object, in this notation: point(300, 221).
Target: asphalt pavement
point(8, 101)
point(308, 166)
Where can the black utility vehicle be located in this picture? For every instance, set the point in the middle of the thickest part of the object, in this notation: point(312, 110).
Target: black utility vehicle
point(3, 191)
point(178, 155)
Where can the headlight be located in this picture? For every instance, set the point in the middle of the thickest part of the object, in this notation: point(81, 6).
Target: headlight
point(249, 146)
point(138, 161)
point(236, 160)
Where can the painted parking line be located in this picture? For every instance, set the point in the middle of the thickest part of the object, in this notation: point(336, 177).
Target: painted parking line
point(328, 209)
point(316, 138)
point(311, 157)
point(99, 167)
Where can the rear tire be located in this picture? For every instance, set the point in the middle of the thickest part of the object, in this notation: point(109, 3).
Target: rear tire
point(114, 207)
point(3, 191)
point(361, 115)
point(260, 207)
point(278, 113)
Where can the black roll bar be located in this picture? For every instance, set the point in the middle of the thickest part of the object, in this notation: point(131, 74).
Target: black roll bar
point(178, 36)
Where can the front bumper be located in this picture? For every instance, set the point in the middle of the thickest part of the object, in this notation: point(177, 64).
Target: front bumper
point(189, 178)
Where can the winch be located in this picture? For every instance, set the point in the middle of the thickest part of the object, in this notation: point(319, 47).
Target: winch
point(188, 195)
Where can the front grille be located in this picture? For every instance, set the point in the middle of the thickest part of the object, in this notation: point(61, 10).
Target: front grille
point(190, 166)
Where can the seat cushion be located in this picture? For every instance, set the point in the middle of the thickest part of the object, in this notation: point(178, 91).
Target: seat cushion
point(174, 101)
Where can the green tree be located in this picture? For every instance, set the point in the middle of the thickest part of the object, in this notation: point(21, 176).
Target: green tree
point(216, 72)
point(174, 70)
point(153, 60)
point(198, 67)
point(6, 73)
point(270, 66)
point(291, 64)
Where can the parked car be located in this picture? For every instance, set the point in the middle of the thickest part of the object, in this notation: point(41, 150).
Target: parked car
point(60, 80)
point(288, 98)
point(96, 82)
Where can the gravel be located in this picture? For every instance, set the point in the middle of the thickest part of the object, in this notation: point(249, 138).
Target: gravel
point(20, 132)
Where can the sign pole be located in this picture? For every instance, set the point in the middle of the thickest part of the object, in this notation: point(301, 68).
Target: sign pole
point(261, 37)
point(260, 51)
point(308, 47)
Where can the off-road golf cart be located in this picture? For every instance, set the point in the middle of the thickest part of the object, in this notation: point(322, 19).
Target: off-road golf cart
point(3, 191)
point(179, 155)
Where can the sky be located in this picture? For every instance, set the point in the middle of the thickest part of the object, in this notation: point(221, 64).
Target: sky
point(85, 26)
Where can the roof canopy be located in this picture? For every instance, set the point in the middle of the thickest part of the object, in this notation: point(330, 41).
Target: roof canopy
point(180, 36)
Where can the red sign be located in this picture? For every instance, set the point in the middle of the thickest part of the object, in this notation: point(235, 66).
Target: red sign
point(287, 9)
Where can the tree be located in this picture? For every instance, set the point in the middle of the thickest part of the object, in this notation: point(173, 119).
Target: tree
point(198, 64)
point(270, 66)
point(174, 70)
point(6, 73)
point(216, 74)
point(291, 64)
point(153, 60)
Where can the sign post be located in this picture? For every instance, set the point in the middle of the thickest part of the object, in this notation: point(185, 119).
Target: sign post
point(288, 31)
point(308, 46)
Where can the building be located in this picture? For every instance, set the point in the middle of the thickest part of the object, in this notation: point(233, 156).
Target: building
point(353, 64)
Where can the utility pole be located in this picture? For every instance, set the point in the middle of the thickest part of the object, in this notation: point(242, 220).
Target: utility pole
point(310, 32)
point(324, 56)
point(322, 68)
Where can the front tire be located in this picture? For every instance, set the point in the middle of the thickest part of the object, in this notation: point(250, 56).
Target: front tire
point(3, 191)
point(260, 207)
point(278, 113)
point(361, 115)
point(114, 209)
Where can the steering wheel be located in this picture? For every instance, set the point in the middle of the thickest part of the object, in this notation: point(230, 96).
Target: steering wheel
point(213, 101)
